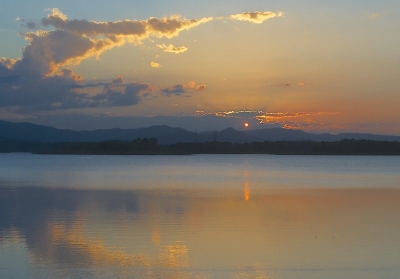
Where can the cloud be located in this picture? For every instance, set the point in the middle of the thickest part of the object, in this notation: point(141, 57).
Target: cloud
point(7, 63)
point(41, 80)
point(131, 30)
point(255, 17)
point(237, 113)
point(65, 90)
point(155, 64)
point(192, 85)
point(200, 87)
point(177, 90)
point(172, 49)
point(9, 79)
point(300, 83)
point(26, 24)
point(118, 80)
point(75, 40)
point(47, 52)
point(294, 120)
point(129, 97)
point(180, 89)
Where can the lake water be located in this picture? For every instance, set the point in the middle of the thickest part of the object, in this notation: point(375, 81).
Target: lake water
point(202, 216)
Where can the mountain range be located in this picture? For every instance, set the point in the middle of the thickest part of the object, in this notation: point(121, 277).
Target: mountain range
point(11, 131)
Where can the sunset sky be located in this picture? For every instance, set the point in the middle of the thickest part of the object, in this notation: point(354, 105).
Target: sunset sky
point(319, 66)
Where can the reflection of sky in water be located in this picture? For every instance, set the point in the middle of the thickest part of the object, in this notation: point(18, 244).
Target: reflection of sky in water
point(146, 234)
point(199, 216)
point(199, 171)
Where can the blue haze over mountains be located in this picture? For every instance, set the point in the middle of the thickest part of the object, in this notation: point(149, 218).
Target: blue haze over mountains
point(10, 131)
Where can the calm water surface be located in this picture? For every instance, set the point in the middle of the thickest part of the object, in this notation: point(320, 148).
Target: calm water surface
point(203, 216)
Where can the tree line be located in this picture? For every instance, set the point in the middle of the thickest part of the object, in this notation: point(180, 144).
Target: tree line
point(150, 146)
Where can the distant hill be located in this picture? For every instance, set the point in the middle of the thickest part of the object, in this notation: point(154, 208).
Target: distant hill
point(10, 131)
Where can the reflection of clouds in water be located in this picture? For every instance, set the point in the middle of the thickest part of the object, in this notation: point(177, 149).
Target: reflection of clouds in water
point(94, 252)
point(139, 234)
point(173, 255)
point(61, 227)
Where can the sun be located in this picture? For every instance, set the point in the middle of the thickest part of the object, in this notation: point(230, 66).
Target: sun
point(246, 124)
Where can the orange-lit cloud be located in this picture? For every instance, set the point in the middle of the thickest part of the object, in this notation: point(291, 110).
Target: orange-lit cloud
point(295, 120)
point(7, 62)
point(172, 48)
point(278, 117)
point(300, 83)
point(193, 85)
point(238, 113)
point(200, 87)
point(132, 30)
point(256, 17)
point(287, 120)
point(76, 40)
point(155, 64)
point(69, 73)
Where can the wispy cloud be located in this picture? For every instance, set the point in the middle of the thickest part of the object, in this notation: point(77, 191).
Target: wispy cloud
point(256, 17)
point(278, 117)
point(236, 113)
point(172, 48)
point(295, 120)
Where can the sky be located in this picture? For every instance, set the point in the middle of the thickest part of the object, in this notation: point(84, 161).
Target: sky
point(318, 66)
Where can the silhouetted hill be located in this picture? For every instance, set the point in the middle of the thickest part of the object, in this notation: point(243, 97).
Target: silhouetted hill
point(232, 135)
point(280, 134)
point(10, 131)
point(26, 132)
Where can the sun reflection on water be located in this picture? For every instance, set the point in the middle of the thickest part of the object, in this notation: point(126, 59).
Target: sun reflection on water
point(246, 191)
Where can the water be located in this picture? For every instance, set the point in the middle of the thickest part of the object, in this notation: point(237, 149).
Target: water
point(203, 216)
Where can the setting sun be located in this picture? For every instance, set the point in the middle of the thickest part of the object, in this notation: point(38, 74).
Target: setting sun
point(246, 124)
